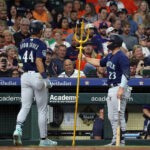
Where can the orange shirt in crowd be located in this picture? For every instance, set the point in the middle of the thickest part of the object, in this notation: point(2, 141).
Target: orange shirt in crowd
point(92, 1)
point(43, 17)
point(80, 13)
point(130, 6)
point(65, 32)
point(97, 7)
point(83, 63)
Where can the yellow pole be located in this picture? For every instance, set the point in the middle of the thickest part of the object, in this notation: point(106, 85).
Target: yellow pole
point(78, 79)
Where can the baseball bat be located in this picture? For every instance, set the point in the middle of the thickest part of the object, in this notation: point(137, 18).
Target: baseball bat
point(118, 127)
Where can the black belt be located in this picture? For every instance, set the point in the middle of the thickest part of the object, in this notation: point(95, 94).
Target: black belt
point(113, 85)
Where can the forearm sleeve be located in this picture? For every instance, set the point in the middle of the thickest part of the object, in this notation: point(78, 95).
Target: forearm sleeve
point(124, 81)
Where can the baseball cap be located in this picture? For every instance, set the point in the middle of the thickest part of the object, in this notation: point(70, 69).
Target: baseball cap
point(89, 25)
point(123, 10)
point(49, 51)
point(110, 29)
point(103, 25)
point(113, 3)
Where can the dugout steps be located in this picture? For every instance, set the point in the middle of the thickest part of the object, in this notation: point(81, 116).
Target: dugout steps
point(78, 142)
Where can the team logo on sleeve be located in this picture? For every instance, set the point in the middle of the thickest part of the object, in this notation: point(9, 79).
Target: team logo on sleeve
point(44, 53)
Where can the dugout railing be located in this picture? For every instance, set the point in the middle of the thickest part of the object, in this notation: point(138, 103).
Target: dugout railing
point(92, 94)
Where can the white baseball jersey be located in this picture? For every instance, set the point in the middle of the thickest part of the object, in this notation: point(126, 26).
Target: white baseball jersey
point(74, 75)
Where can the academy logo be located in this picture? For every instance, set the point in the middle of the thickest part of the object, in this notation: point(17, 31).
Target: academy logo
point(62, 99)
point(98, 99)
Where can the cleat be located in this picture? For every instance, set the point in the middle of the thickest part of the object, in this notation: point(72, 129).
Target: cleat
point(111, 144)
point(47, 142)
point(17, 137)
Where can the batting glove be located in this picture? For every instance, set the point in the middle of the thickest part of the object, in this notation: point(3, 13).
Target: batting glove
point(48, 84)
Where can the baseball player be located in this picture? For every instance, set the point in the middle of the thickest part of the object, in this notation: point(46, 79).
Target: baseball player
point(117, 65)
point(33, 54)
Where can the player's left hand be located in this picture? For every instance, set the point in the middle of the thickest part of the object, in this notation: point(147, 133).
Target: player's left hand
point(120, 92)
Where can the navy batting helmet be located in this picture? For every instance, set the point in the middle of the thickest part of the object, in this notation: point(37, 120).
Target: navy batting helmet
point(116, 41)
point(36, 26)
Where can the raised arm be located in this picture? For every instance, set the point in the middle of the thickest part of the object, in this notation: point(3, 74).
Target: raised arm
point(92, 61)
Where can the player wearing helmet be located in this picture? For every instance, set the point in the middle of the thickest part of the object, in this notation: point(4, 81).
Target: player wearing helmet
point(117, 65)
point(33, 54)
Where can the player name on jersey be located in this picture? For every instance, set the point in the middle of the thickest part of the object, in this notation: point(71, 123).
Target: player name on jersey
point(29, 45)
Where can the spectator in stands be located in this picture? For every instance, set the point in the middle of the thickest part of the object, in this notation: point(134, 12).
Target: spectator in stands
point(143, 43)
point(57, 18)
point(142, 13)
point(90, 13)
point(102, 17)
point(102, 32)
point(97, 44)
point(3, 4)
point(146, 114)
point(73, 51)
point(59, 40)
point(23, 33)
point(41, 13)
point(3, 14)
point(100, 4)
point(4, 71)
point(101, 72)
point(56, 65)
point(140, 58)
point(129, 40)
point(3, 26)
point(116, 23)
point(2, 43)
point(147, 31)
point(49, 55)
point(63, 26)
point(133, 66)
point(16, 27)
point(69, 71)
point(12, 15)
point(123, 15)
point(11, 51)
point(21, 9)
point(98, 126)
point(29, 14)
point(15, 73)
point(9, 39)
point(120, 5)
point(148, 43)
point(69, 37)
point(78, 8)
point(47, 35)
point(73, 18)
point(88, 52)
point(67, 10)
point(140, 31)
point(113, 11)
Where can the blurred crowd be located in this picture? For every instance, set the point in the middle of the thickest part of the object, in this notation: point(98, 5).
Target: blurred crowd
point(128, 18)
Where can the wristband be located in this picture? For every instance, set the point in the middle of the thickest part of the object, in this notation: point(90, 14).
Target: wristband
point(44, 75)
